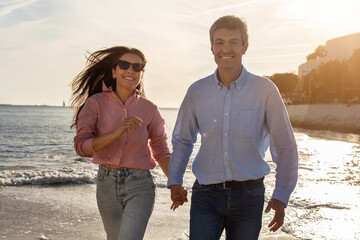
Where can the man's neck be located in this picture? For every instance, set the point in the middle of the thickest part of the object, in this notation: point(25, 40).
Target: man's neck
point(227, 76)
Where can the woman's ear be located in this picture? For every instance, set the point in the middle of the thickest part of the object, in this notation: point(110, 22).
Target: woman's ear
point(113, 71)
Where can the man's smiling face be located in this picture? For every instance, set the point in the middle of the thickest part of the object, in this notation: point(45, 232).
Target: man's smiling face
point(228, 48)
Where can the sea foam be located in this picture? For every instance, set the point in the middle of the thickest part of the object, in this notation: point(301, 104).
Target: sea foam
point(48, 176)
point(83, 173)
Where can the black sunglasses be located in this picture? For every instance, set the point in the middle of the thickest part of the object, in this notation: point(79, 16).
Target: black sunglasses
point(137, 67)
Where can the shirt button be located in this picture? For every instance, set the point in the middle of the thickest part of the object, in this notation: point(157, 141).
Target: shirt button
point(228, 170)
point(226, 114)
point(225, 153)
point(225, 133)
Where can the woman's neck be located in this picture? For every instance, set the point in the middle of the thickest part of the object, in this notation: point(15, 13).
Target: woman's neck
point(124, 94)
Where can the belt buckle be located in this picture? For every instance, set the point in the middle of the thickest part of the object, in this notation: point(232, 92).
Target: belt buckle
point(224, 185)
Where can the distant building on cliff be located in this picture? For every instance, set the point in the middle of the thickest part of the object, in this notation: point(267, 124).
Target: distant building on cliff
point(337, 48)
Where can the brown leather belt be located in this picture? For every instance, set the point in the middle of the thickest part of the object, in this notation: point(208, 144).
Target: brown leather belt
point(237, 184)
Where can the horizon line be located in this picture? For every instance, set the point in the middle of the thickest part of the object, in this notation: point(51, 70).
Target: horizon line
point(60, 106)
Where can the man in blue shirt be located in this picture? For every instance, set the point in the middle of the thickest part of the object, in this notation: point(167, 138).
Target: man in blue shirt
point(238, 115)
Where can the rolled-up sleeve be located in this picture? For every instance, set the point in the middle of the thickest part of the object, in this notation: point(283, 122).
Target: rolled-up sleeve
point(86, 129)
point(157, 136)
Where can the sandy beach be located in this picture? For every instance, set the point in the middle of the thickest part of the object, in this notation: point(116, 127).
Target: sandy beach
point(70, 212)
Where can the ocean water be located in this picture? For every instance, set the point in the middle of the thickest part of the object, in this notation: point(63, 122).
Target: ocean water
point(36, 148)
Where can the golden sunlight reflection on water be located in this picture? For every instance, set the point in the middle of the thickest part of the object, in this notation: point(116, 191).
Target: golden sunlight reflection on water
point(325, 203)
point(329, 160)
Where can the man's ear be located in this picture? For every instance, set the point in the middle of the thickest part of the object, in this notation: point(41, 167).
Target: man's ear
point(245, 48)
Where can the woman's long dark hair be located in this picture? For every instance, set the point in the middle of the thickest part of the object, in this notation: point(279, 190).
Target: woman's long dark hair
point(98, 69)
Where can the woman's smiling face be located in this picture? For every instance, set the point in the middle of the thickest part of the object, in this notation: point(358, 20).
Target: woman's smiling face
point(128, 79)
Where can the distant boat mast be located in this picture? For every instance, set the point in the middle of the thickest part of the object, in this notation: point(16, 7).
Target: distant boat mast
point(63, 103)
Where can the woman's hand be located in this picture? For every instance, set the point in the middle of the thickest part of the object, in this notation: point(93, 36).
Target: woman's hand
point(129, 123)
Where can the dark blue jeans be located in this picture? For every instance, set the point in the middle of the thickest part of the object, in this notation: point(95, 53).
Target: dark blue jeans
point(239, 211)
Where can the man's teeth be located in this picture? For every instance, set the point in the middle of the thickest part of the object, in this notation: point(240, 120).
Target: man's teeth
point(129, 78)
point(226, 57)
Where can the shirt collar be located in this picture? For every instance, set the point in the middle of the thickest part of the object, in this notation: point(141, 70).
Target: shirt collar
point(105, 88)
point(237, 83)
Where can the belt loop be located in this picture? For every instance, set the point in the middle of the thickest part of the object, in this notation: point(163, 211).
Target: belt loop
point(105, 170)
point(224, 185)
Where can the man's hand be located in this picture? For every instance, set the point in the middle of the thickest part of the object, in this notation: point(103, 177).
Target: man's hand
point(178, 196)
point(279, 208)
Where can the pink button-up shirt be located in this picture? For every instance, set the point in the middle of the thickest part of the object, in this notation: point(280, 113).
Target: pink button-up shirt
point(103, 112)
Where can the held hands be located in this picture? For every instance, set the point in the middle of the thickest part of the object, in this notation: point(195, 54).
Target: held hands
point(279, 208)
point(178, 196)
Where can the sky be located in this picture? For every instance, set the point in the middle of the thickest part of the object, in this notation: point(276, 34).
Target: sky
point(43, 43)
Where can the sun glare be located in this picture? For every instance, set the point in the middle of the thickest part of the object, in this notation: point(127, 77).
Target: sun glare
point(326, 13)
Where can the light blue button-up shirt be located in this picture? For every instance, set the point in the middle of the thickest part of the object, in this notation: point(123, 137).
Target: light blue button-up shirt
point(236, 125)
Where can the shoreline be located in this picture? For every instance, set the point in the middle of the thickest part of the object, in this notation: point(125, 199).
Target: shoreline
point(70, 212)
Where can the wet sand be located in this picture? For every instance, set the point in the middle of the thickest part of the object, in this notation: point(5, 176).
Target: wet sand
point(70, 212)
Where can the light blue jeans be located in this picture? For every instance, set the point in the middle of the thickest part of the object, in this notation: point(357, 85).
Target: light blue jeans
point(125, 199)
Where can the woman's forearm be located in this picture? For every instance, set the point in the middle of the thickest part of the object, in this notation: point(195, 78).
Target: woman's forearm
point(100, 142)
point(129, 123)
point(164, 163)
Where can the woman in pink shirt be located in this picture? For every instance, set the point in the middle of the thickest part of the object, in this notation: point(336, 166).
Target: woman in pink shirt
point(115, 126)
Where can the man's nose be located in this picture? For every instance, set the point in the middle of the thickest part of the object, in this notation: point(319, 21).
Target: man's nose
point(227, 48)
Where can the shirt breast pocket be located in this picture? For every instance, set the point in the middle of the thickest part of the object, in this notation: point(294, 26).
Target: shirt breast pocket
point(250, 122)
